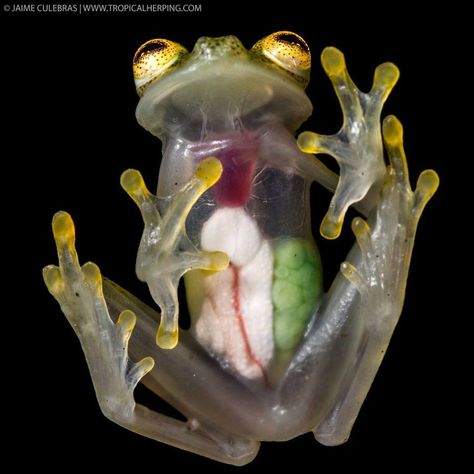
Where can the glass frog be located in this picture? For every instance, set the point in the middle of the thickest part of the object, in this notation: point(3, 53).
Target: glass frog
point(268, 356)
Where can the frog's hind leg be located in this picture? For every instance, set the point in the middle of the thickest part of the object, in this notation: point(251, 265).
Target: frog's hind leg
point(79, 291)
point(378, 271)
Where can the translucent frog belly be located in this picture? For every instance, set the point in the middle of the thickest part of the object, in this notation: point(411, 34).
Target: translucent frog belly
point(258, 307)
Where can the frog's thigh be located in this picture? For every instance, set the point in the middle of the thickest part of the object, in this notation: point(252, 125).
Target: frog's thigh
point(187, 377)
point(183, 377)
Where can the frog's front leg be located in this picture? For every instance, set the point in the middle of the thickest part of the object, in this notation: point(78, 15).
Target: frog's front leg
point(357, 146)
point(166, 253)
point(378, 271)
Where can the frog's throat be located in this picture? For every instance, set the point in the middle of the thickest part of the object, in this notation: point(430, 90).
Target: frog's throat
point(218, 92)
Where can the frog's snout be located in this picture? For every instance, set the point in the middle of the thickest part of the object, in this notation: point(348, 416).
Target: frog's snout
point(208, 48)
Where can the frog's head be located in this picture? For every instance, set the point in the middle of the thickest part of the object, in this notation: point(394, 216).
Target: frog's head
point(221, 85)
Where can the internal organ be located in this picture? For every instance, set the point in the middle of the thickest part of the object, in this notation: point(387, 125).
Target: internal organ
point(237, 151)
point(235, 319)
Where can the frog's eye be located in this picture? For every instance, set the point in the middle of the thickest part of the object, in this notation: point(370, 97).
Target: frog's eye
point(153, 59)
point(288, 51)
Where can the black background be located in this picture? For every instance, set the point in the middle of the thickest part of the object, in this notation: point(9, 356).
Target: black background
point(70, 131)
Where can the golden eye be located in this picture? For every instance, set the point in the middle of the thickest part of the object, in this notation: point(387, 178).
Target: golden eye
point(153, 59)
point(288, 51)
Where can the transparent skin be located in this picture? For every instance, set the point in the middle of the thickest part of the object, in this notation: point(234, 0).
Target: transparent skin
point(268, 356)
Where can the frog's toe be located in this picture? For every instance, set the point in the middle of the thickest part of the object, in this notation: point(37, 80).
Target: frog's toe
point(426, 186)
point(65, 236)
point(385, 77)
point(53, 280)
point(333, 62)
point(428, 180)
point(69, 272)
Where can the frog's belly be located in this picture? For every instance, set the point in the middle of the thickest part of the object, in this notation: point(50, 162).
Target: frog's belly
point(233, 308)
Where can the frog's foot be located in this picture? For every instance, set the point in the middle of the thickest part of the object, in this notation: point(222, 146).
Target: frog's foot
point(79, 292)
point(357, 146)
point(379, 272)
point(386, 243)
point(165, 252)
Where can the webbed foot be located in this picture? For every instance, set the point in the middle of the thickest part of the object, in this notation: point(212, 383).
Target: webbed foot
point(78, 290)
point(386, 242)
